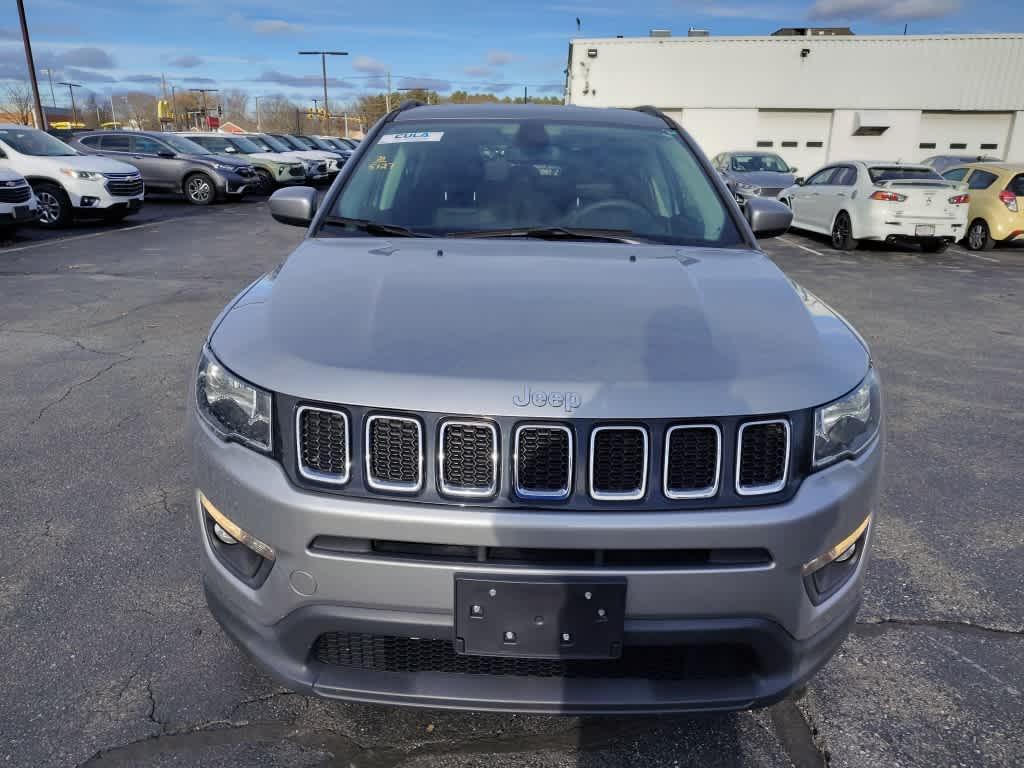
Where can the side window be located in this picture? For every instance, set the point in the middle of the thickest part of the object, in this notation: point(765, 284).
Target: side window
point(116, 142)
point(1016, 185)
point(822, 177)
point(147, 146)
point(957, 174)
point(845, 176)
point(90, 141)
point(981, 180)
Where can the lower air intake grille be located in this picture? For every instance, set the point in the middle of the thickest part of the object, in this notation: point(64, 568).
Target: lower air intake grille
point(20, 194)
point(323, 444)
point(394, 453)
point(763, 457)
point(469, 458)
point(385, 653)
point(618, 463)
point(543, 465)
point(692, 456)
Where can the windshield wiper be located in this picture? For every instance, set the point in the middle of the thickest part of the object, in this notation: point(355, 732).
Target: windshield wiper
point(374, 228)
point(556, 233)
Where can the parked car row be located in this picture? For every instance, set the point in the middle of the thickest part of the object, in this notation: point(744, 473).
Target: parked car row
point(975, 199)
point(105, 173)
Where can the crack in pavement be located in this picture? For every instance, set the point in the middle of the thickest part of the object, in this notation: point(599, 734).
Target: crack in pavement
point(797, 736)
point(878, 626)
point(73, 387)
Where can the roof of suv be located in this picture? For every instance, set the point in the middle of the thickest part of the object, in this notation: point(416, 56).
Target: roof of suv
point(553, 113)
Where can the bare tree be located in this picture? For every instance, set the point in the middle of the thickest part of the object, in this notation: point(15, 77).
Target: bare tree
point(19, 102)
point(235, 103)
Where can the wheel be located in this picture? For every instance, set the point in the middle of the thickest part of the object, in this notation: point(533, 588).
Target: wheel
point(842, 233)
point(54, 205)
point(934, 246)
point(199, 189)
point(266, 183)
point(978, 237)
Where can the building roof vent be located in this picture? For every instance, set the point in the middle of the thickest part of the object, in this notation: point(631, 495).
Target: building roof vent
point(697, 32)
point(871, 123)
point(661, 33)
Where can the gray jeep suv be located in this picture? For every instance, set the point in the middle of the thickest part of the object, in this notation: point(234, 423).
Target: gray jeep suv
point(529, 422)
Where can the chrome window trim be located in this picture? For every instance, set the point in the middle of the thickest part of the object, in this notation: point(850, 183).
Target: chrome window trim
point(634, 495)
point(562, 493)
point(385, 485)
point(475, 493)
point(700, 493)
point(313, 474)
point(760, 490)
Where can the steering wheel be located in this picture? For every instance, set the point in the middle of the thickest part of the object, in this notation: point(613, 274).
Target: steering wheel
point(604, 207)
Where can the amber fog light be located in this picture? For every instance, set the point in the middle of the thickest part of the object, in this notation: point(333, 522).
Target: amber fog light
point(825, 574)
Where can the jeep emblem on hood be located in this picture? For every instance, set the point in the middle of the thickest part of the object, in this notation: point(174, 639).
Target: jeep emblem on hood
point(568, 400)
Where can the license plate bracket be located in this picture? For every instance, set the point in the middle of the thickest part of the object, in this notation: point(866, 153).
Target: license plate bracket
point(548, 618)
point(924, 230)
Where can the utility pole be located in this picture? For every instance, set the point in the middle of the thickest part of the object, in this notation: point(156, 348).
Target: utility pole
point(387, 94)
point(37, 106)
point(323, 66)
point(174, 105)
point(49, 74)
point(74, 109)
point(258, 126)
point(526, 97)
point(346, 125)
point(113, 114)
point(206, 115)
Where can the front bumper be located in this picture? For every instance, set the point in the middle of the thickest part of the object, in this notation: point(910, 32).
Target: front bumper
point(19, 213)
point(307, 593)
point(98, 197)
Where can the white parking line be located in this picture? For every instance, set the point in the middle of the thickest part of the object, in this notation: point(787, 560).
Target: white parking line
point(979, 256)
point(61, 240)
point(802, 247)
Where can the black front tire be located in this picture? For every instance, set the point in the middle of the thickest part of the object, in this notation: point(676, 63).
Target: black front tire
point(978, 237)
point(266, 182)
point(842, 233)
point(199, 189)
point(54, 206)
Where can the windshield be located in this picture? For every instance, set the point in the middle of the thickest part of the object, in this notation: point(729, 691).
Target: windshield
point(469, 176)
point(29, 141)
point(307, 142)
point(242, 144)
point(754, 163)
point(880, 173)
point(270, 144)
point(290, 141)
point(183, 145)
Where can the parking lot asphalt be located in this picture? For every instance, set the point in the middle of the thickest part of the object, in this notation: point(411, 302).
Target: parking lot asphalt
point(110, 658)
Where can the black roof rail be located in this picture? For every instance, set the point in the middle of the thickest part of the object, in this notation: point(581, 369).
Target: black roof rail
point(407, 104)
point(647, 109)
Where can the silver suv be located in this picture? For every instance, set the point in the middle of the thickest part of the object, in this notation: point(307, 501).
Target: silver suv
point(529, 422)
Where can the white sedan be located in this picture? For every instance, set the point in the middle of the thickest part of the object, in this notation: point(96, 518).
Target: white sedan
point(852, 201)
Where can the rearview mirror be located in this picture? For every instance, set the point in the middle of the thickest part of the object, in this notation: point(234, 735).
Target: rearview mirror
point(767, 217)
point(294, 205)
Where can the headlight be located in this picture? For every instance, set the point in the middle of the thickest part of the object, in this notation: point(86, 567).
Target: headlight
point(234, 408)
point(223, 167)
point(74, 173)
point(747, 189)
point(844, 427)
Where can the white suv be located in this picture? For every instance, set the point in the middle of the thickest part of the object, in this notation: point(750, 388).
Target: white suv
point(67, 182)
point(17, 203)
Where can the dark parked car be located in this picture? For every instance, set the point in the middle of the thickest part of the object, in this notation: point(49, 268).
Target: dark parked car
point(754, 174)
point(171, 163)
point(942, 163)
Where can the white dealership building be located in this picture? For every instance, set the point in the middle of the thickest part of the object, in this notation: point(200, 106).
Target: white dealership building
point(816, 98)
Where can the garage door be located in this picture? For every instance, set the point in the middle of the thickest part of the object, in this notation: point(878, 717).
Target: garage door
point(984, 133)
point(800, 137)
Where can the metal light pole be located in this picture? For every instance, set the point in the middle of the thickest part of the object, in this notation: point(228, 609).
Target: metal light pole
point(174, 105)
point(323, 64)
point(49, 74)
point(74, 109)
point(37, 106)
point(258, 127)
point(203, 92)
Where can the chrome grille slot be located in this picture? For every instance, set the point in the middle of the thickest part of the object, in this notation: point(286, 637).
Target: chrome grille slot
point(394, 453)
point(693, 461)
point(322, 443)
point(543, 461)
point(468, 458)
point(762, 464)
point(124, 184)
point(618, 463)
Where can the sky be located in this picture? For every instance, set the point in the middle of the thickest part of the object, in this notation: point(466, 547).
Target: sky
point(120, 45)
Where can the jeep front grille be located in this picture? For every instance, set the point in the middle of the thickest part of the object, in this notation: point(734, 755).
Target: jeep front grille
point(468, 458)
point(618, 463)
point(693, 460)
point(394, 453)
point(322, 437)
point(543, 461)
point(763, 457)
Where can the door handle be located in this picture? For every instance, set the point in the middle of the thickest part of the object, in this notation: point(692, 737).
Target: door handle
point(137, 157)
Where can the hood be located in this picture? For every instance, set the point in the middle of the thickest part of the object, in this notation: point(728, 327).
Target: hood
point(317, 154)
point(764, 178)
point(274, 157)
point(235, 162)
point(6, 174)
point(90, 163)
point(464, 326)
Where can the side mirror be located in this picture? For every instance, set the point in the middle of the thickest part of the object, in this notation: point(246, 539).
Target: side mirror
point(799, 181)
point(767, 217)
point(294, 205)
point(792, 169)
point(166, 153)
point(230, 150)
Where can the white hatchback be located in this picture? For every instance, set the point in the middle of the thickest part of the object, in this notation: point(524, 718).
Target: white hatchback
point(856, 200)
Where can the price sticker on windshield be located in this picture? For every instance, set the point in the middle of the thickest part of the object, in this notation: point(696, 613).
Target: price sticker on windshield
point(410, 137)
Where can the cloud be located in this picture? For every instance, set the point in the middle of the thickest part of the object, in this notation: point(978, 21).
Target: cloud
point(300, 81)
point(369, 65)
point(746, 11)
point(87, 76)
point(200, 80)
point(6, 33)
point(497, 87)
point(550, 88)
point(479, 71)
point(501, 58)
point(186, 62)
point(140, 78)
point(889, 10)
point(276, 27)
point(425, 83)
point(94, 58)
point(589, 10)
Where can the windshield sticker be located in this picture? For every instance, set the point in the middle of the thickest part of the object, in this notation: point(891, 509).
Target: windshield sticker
point(409, 137)
point(381, 163)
